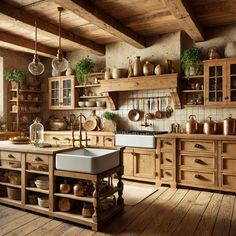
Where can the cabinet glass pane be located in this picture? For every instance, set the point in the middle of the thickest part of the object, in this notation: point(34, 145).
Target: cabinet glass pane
point(233, 69)
point(232, 82)
point(219, 96)
point(219, 70)
point(219, 83)
point(233, 96)
point(55, 93)
point(211, 71)
point(66, 94)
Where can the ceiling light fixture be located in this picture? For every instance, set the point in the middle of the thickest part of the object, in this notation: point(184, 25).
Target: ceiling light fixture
point(36, 67)
point(59, 63)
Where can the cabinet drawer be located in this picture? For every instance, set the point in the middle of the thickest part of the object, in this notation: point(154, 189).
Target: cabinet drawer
point(195, 146)
point(167, 175)
point(206, 179)
point(229, 164)
point(228, 182)
point(166, 158)
point(11, 156)
point(166, 144)
point(37, 158)
point(229, 148)
point(202, 162)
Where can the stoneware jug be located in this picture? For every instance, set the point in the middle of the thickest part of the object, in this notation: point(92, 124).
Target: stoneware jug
point(148, 68)
point(137, 69)
point(230, 49)
point(158, 69)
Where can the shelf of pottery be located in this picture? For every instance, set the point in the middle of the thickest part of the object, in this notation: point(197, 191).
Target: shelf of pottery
point(24, 107)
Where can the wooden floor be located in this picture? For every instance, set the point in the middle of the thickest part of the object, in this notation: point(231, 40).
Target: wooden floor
point(166, 212)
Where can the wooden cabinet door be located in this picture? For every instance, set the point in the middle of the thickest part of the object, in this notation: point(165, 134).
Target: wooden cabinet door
point(67, 93)
point(128, 161)
point(231, 81)
point(54, 93)
point(215, 83)
point(144, 163)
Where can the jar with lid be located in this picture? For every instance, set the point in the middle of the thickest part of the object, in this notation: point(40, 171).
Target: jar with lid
point(36, 132)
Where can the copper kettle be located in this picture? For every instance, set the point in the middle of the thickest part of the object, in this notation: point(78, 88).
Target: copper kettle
point(229, 125)
point(192, 125)
point(210, 127)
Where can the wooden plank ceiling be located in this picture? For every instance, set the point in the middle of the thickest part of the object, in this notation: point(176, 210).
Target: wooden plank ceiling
point(91, 24)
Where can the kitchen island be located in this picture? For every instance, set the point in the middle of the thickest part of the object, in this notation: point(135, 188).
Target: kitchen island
point(22, 164)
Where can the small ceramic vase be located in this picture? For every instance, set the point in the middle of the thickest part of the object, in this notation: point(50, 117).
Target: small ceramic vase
point(158, 70)
point(137, 69)
point(148, 68)
point(230, 49)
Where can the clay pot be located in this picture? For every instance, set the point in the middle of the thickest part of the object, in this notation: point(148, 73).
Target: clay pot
point(80, 190)
point(65, 187)
point(148, 68)
point(64, 204)
point(158, 70)
point(230, 49)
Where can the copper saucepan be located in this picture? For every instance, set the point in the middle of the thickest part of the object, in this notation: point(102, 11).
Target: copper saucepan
point(134, 114)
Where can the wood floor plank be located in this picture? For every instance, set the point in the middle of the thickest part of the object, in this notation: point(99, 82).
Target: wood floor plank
point(11, 217)
point(29, 227)
point(58, 230)
point(192, 218)
point(142, 220)
point(206, 225)
point(223, 221)
point(233, 221)
point(118, 223)
point(16, 223)
point(165, 208)
point(178, 213)
point(73, 231)
point(45, 228)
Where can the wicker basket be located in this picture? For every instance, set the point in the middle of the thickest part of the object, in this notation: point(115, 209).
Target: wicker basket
point(13, 193)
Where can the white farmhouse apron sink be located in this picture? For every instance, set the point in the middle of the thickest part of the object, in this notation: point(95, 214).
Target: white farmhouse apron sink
point(88, 160)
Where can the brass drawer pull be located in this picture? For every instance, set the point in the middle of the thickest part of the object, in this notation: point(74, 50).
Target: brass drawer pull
point(38, 159)
point(168, 173)
point(168, 160)
point(55, 138)
point(167, 143)
point(108, 139)
point(11, 156)
point(198, 161)
point(198, 145)
point(197, 176)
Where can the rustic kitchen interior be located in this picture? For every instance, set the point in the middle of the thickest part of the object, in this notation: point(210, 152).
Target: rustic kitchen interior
point(117, 117)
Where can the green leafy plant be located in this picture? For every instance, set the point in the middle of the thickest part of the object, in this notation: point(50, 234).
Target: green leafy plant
point(191, 57)
point(83, 69)
point(109, 115)
point(16, 75)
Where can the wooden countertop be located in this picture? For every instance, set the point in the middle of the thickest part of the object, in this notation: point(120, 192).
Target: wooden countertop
point(198, 136)
point(30, 148)
point(77, 131)
point(7, 133)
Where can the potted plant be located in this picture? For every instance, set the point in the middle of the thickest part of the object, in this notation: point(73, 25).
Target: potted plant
point(109, 123)
point(83, 69)
point(16, 77)
point(191, 61)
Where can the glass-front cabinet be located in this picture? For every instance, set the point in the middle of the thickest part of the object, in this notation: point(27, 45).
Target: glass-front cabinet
point(61, 92)
point(220, 81)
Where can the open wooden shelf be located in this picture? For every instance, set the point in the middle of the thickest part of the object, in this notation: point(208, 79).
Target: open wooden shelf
point(37, 172)
point(11, 202)
point(193, 77)
point(38, 190)
point(192, 91)
point(10, 185)
point(96, 96)
point(88, 86)
point(10, 168)
point(71, 196)
point(37, 208)
point(26, 91)
point(90, 108)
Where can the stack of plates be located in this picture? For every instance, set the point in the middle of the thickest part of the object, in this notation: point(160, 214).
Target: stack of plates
point(42, 182)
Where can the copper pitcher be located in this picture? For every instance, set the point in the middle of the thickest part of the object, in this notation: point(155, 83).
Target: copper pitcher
point(192, 125)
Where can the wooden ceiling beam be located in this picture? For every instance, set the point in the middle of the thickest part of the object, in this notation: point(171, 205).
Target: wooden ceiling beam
point(186, 19)
point(44, 25)
point(96, 16)
point(16, 40)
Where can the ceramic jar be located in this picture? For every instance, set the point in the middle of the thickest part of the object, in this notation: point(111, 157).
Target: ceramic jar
point(65, 187)
point(213, 54)
point(137, 68)
point(107, 74)
point(230, 49)
point(158, 69)
point(148, 68)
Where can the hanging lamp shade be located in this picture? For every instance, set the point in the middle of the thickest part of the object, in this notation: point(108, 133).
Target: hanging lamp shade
point(59, 63)
point(36, 67)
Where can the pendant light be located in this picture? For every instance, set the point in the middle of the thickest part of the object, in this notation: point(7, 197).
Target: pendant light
point(59, 63)
point(36, 67)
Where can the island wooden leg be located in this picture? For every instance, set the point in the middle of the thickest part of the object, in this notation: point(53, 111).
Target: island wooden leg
point(95, 202)
point(120, 185)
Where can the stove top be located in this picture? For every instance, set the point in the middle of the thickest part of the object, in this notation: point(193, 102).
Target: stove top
point(141, 132)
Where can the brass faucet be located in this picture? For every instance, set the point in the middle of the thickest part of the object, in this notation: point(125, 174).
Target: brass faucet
point(80, 139)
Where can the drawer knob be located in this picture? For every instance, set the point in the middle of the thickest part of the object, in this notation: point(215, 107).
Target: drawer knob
point(168, 173)
point(38, 159)
point(108, 139)
point(198, 145)
point(167, 143)
point(198, 161)
point(197, 176)
point(11, 156)
point(168, 160)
